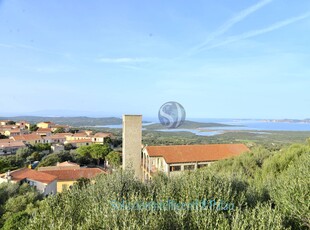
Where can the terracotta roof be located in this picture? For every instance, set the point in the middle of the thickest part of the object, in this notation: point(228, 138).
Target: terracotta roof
point(27, 137)
point(67, 163)
point(102, 135)
point(56, 136)
point(5, 140)
point(31, 174)
point(44, 130)
point(14, 130)
point(59, 166)
point(196, 153)
point(87, 140)
point(74, 174)
point(10, 143)
point(8, 127)
point(60, 135)
point(80, 135)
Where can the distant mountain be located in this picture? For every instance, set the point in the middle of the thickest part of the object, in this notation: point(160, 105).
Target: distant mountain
point(72, 121)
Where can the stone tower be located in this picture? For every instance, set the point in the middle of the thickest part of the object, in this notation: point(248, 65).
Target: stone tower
point(132, 142)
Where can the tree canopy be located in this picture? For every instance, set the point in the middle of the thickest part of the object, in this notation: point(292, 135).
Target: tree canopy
point(114, 159)
point(95, 151)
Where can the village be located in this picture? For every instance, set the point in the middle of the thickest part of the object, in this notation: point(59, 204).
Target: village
point(50, 177)
point(22, 133)
point(50, 138)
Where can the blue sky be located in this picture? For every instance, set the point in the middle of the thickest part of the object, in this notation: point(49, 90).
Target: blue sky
point(219, 59)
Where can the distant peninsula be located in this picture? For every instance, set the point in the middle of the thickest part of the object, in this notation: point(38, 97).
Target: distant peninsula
point(287, 120)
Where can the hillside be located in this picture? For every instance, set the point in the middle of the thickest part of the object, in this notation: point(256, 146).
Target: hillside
point(258, 190)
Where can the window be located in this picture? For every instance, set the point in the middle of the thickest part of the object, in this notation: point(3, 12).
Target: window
point(175, 168)
point(64, 187)
point(201, 166)
point(189, 167)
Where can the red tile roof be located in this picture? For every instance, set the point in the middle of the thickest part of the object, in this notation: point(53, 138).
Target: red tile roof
point(31, 174)
point(87, 140)
point(196, 153)
point(44, 130)
point(8, 127)
point(14, 130)
point(74, 174)
point(67, 163)
point(11, 144)
point(103, 135)
point(28, 137)
point(80, 135)
point(60, 135)
point(5, 140)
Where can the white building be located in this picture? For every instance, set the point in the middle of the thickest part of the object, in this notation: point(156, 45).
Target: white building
point(174, 159)
point(42, 182)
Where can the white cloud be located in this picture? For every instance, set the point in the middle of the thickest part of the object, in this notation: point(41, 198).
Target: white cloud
point(231, 22)
point(255, 33)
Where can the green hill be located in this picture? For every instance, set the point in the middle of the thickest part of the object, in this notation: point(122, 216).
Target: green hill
point(258, 190)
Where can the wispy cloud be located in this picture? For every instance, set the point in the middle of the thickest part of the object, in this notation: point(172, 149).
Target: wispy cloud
point(230, 23)
point(123, 60)
point(255, 33)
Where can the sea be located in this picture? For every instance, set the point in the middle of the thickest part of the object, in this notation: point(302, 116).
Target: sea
point(254, 126)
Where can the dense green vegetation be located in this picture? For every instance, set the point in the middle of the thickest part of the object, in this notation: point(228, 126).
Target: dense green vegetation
point(95, 151)
point(114, 158)
point(24, 157)
point(273, 140)
point(17, 204)
point(86, 155)
point(268, 189)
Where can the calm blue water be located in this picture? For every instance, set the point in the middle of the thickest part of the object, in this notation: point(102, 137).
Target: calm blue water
point(263, 126)
point(194, 131)
point(256, 126)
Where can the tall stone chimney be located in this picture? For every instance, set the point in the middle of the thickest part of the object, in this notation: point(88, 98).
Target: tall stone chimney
point(132, 142)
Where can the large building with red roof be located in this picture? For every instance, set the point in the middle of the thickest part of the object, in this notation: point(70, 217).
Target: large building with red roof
point(43, 182)
point(68, 173)
point(177, 158)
